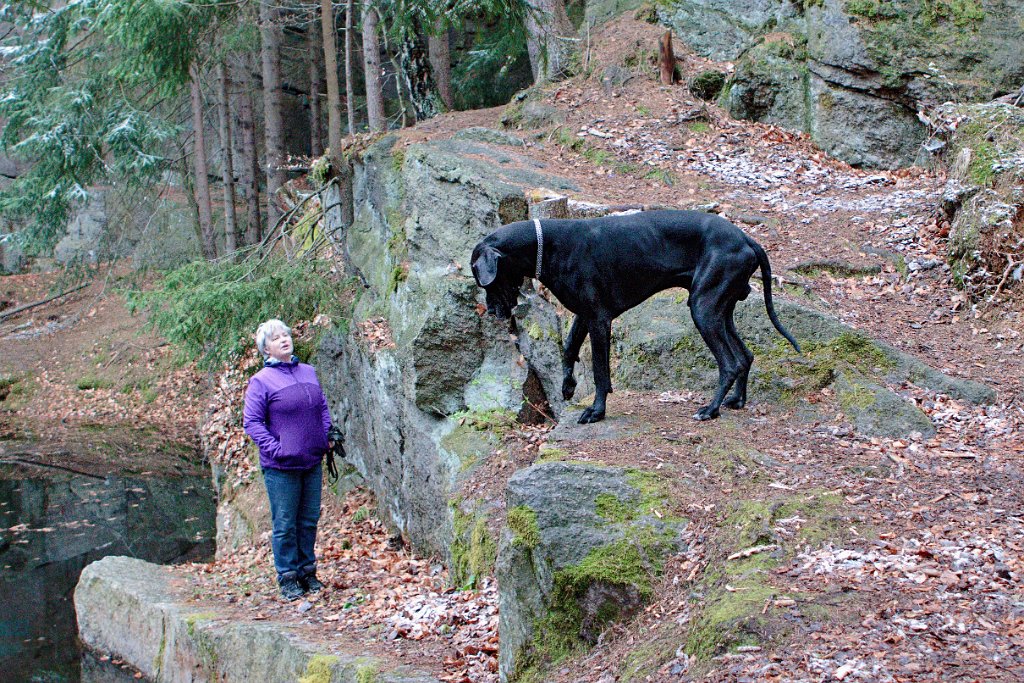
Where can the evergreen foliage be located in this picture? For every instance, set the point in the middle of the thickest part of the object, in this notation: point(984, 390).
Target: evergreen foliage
point(91, 91)
point(85, 99)
point(210, 310)
point(486, 75)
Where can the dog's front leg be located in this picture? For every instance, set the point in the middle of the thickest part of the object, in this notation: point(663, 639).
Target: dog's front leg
point(600, 348)
point(571, 354)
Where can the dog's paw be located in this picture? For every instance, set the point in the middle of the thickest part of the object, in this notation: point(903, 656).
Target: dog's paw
point(706, 413)
point(590, 416)
point(735, 402)
point(568, 388)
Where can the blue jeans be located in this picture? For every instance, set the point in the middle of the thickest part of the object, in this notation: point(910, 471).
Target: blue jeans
point(294, 511)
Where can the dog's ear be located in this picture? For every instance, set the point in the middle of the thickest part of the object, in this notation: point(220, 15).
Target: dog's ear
point(485, 267)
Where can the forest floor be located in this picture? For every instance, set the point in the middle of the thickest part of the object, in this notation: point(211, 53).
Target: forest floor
point(919, 574)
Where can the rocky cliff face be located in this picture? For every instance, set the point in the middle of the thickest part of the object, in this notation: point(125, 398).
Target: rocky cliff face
point(432, 360)
point(854, 73)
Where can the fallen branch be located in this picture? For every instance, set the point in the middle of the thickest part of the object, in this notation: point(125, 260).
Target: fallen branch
point(7, 314)
point(1006, 273)
point(752, 551)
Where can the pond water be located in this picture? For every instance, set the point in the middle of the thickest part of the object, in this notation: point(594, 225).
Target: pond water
point(53, 522)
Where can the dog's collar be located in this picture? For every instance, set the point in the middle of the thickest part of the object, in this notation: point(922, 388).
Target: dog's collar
point(540, 245)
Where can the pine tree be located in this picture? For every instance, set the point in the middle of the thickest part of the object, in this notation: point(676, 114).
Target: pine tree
point(90, 96)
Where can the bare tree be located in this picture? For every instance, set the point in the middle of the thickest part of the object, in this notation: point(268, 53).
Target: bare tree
point(249, 173)
point(273, 131)
point(349, 49)
point(441, 62)
point(202, 180)
point(330, 40)
point(371, 69)
point(316, 86)
point(227, 165)
point(552, 40)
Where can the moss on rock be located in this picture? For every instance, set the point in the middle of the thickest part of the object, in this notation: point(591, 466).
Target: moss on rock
point(522, 521)
point(319, 669)
point(473, 549)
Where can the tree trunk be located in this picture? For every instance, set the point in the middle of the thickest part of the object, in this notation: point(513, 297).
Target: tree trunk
point(350, 95)
point(441, 63)
point(371, 63)
point(316, 86)
point(551, 40)
point(666, 59)
point(250, 168)
point(270, 54)
point(415, 70)
point(330, 40)
point(227, 165)
point(202, 180)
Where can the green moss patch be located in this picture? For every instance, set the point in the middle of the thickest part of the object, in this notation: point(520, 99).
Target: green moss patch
point(707, 85)
point(319, 669)
point(477, 434)
point(909, 37)
point(736, 607)
point(497, 421)
point(473, 549)
point(611, 583)
point(595, 155)
point(551, 454)
point(653, 501)
point(192, 621)
point(984, 153)
point(367, 672)
point(817, 367)
point(522, 521)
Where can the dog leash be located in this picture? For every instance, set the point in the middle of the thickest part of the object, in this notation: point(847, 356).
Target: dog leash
point(540, 245)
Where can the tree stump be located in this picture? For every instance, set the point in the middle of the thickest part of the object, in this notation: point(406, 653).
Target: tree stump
point(666, 59)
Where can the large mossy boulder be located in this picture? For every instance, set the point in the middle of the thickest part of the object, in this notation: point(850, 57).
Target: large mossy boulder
point(854, 73)
point(984, 195)
point(660, 349)
point(582, 548)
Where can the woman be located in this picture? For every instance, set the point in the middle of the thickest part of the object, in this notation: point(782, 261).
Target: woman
point(286, 415)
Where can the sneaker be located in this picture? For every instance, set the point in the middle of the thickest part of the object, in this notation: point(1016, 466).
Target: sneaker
point(291, 589)
point(311, 583)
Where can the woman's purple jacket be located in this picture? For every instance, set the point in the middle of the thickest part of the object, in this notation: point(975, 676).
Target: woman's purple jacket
point(286, 415)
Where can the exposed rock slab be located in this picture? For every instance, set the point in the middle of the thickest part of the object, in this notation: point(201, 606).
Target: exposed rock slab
point(659, 349)
point(128, 608)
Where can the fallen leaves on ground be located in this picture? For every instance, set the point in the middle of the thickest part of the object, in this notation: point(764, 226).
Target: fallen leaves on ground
point(377, 593)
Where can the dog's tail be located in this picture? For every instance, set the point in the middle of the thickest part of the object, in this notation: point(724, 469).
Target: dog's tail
point(766, 278)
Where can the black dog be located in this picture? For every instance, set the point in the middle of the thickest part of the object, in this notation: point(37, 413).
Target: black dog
point(600, 267)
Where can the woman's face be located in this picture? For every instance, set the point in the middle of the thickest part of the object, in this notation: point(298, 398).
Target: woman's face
point(279, 345)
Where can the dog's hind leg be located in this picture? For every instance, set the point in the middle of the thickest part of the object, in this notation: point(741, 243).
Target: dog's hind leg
point(708, 313)
point(571, 354)
point(738, 398)
point(600, 347)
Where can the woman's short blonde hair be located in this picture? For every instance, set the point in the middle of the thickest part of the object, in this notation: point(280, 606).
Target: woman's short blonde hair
point(267, 331)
